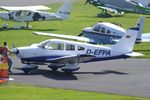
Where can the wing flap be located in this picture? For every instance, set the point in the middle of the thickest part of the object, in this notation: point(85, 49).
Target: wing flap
point(76, 38)
point(71, 59)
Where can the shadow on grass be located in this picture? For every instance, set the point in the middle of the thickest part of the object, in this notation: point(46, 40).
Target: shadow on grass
point(8, 29)
point(142, 50)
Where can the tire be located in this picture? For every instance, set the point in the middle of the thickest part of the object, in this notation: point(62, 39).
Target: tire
point(54, 69)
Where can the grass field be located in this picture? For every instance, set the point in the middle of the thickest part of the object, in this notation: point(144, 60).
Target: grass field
point(21, 92)
point(82, 16)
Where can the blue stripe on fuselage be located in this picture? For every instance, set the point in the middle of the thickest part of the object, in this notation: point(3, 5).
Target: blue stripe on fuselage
point(39, 59)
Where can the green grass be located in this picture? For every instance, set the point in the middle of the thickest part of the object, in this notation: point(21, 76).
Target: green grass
point(22, 92)
point(82, 16)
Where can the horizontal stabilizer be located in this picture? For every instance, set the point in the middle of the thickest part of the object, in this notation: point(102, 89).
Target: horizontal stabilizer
point(146, 37)
point(76, 38)
point(135, 54)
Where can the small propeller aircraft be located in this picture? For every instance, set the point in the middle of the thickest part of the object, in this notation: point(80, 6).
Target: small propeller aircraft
point(31, 13)
point(65, 54)
point(119, 7)
point(103, 33)
point(109, 33)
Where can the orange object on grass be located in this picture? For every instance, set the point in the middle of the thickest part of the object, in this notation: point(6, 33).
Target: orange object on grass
point(4, 75)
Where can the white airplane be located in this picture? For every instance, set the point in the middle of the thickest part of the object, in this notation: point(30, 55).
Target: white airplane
point(103, 33)
point(64, 54)
point(31, 13)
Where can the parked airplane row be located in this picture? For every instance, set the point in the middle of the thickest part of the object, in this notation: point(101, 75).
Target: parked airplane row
point(121, 6)
point(67, 54)
point(31, 13)
point(103, 33)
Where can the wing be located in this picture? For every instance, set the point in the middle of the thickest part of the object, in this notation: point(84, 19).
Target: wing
point(26, 8)
point(110, 9)
point(134, 54)
point(76, 38)
point(146, 37)
point(71, 59)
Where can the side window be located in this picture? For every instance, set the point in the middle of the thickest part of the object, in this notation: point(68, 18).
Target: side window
point(114, 33)
point(96, 28)
point(149, 5)
point(103, 30)
point(70, 47)
point(80, 48)
point(57, 46)
point(108, 31)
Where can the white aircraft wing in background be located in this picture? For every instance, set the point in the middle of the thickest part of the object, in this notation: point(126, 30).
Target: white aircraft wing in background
point(146, 37)
point(76, 38)
point(28, 8)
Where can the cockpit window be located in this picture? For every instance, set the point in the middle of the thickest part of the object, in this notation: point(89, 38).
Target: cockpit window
point(96, 28)
point(103, 30)
point(57, 46)
point(80, 48)
point(70, 47)
point(108, 31)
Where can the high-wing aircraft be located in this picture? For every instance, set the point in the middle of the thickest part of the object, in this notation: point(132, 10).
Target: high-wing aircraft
point(103, 33)
point(66, 55)
point(31, 13)
point(119, 6)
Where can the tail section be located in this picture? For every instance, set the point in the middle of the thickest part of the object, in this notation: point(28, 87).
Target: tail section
point(64, 11)
point(127, 42)
point(140, 25)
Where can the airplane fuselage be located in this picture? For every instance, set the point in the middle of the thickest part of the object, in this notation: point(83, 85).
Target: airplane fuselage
point(37, 53)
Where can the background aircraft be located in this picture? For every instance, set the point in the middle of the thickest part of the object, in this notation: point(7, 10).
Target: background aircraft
point(108, 33)
point(31, 13)
point(67, 55)
point(119, 6)
point(103, 33)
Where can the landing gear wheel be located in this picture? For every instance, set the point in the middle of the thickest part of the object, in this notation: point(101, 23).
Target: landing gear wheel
point(54, 69)
point(26, 71)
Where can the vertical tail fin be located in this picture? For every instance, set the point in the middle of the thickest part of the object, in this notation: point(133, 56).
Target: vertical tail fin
point(64, 11)
point(140, 25)
point(127, 42)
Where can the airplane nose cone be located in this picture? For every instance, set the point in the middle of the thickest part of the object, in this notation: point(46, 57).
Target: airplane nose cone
point(15, 50)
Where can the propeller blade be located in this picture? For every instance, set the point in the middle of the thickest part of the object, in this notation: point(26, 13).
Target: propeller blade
point(87, 1)
point(80, 34)
point(13, 45)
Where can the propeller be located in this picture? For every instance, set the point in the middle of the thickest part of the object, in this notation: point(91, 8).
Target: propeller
point(87, 1)
point(14, 49)
point(80, 34)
